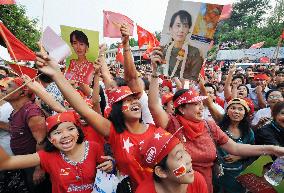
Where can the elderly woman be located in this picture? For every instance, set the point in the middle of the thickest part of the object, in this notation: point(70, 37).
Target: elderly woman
point(198, 136)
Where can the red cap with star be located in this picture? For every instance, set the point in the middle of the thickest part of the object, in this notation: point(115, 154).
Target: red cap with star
point(260, 77)
point(68, 116)
point(167, 98)
point(115, 96)
point(154, 149)
point(189, 96)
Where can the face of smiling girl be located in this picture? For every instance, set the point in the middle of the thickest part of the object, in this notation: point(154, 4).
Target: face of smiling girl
point(64, 137)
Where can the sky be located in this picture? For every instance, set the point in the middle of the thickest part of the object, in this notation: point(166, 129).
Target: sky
point(88, 14)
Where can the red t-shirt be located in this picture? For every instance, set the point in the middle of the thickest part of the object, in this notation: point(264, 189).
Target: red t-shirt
point(198, 185)
point(125, 147)
point(69, 176)
point(220, 101)
point(202, 149)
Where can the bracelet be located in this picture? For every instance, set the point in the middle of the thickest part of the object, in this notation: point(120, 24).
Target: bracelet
point(155, 76)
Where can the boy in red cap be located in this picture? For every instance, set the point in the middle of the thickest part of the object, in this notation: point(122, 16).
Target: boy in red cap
point(171, 165)
point(70, 161)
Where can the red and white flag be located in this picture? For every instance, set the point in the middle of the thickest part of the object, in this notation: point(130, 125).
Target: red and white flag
point(282, 35)
point(226, 12)
point(119, 55)
point(113, 22)
point(17, 49)
point(264, 60)
point(145, 37)
point(7, 2)
point(257, 45)
point(20, 70)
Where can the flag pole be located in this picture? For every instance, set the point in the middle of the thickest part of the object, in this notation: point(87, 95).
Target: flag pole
point(19, 88)
point(278, 48)
point(9, 47)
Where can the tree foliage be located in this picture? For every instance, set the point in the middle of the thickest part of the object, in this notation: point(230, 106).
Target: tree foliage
point(25, 29)
point(251, 22)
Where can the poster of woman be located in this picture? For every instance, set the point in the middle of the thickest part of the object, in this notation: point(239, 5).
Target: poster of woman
point(84, 45)
point(187, 32)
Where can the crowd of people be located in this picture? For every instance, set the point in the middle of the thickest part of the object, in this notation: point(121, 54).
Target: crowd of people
point(154, 133)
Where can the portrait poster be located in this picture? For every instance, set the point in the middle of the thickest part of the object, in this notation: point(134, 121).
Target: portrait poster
point(188, 29)
point(81, 72)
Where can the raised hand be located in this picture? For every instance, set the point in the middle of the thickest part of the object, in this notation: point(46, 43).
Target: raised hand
point(47, 65)
point(125, 33)
point(97, 66)
point(102, 49)
point(156, 57)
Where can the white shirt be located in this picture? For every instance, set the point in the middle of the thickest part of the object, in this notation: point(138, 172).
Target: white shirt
point(5, 112)
point(265, 112)
point(146, 115)
point(208, 116)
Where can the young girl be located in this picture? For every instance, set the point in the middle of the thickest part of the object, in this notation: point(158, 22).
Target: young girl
point(70, 161)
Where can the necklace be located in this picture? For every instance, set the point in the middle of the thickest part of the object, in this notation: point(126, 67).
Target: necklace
point(77, 165)
point(237, 140)
point(181, 57)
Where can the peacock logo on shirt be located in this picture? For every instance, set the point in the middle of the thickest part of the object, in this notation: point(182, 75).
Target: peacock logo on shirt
point(64, 171)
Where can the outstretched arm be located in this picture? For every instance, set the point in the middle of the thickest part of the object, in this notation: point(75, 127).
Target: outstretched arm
point(47, 98)
point(159, 115)
point(227, 87)
point(130, 73)
point(17, 162)
point(97, 121)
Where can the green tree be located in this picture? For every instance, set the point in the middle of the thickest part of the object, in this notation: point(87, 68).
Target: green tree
point(158, 35)
point(25, 29)
point(133, 42)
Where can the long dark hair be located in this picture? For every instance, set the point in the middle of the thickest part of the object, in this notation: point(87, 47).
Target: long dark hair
point(244, 124)
point(117, 118)
point(49, 147)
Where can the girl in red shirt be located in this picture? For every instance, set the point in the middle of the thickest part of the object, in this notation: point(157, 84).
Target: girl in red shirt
point(70, 161)
point(171, 165)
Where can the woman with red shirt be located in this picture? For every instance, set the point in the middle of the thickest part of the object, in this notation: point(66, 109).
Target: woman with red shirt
point(123, 128)
point(70, 161)
point(198, 136)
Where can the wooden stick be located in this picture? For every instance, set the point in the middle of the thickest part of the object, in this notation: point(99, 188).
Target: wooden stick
point(278, 48)
point(9, 47)
point(19, 88)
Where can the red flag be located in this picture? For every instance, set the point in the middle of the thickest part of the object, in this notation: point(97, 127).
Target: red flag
point(145, 37)
point(112, 23)
point(21, 51)
point(257, 45)
point(226, 12)
point(264, 60)
point(20, 70)
point(282, 36)
point(202, 72)
point(119, 55)
point(7, 2)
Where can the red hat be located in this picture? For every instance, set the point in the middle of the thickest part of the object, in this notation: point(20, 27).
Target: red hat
point(189, 96)
point(155, 148)
point(115, 96)
point(68, 116)
point(260, 77)
point(167, 83)
point(118, 94)
point(18, 81)
point(167, 98)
